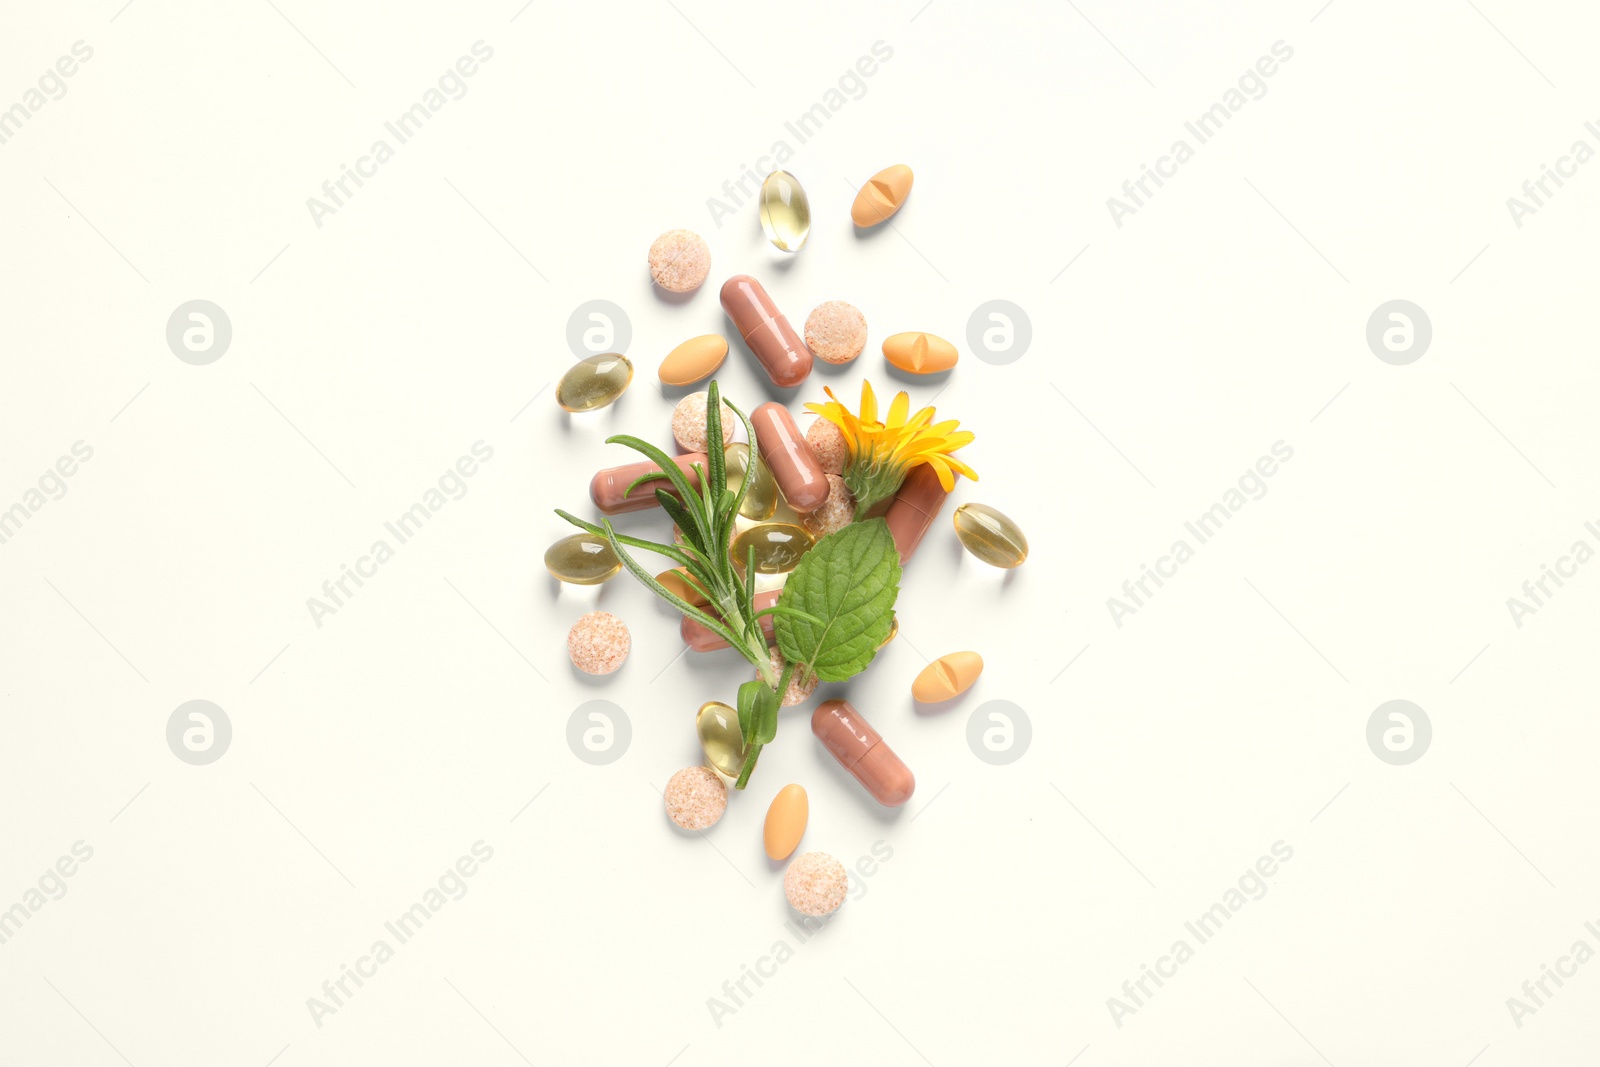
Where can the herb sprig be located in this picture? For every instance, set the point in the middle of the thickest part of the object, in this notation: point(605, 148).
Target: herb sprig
point(835, 608)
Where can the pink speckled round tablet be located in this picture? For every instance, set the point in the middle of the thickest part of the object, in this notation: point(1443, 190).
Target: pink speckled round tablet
point(836, 512)
point(689, 422)
point(816, 884)
point(827, 441)
point(680, 261)
point(598, 643)
point(696, 798)
point(836, 332)
point(796, 693)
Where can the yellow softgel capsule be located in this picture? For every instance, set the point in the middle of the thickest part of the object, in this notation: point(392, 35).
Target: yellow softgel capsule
point(594, 382)
point(785, 211)
point(778, 545)
point(761, 498)
point(990, 535)
point(582, 559)
point(720, 737)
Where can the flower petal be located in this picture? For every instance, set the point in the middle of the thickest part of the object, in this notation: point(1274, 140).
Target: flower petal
point(869, 403)
point(898, 409)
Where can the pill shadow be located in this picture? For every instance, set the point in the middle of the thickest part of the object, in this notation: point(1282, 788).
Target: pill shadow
point(937, 709)
point(908, 378)
point(675, 299)
point(834, 370)
point(596, 681)
point(871, 233)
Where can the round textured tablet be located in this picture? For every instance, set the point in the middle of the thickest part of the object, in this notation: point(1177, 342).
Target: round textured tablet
point(836, 512)
point(836, 332)
point(815, 884)
point(696, 798)
point(828, 442)
point(796, 693)
point(689, 422)
point(598, 643)
point(680, 261)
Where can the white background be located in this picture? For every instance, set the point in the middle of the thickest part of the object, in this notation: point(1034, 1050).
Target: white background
point(1228, 714)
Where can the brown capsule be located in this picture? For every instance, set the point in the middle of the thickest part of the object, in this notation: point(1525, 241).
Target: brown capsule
point(701, 639)
point(861, 751)
point(914, 508)
point(789, 457)
point(782, 354)
point(609, 488)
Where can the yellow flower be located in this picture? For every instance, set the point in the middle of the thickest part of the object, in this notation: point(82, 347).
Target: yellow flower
point(882, 453)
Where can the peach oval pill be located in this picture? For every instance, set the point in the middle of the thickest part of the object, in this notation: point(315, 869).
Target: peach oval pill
point(883, 195)
point(786, 822)
point(693, 360)
point(919, 353)
point(946, 677)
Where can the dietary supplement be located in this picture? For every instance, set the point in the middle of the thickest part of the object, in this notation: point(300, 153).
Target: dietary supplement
point(990, 535)
point(798, 472)
point(782, 354)
point(696, 358)
point(761, 496)
point(798, 691)
point(689, 423)
point(680, 261)
point(700, 639)
point(883, 195)
point(914, 508)
point(828, 442)
point(598, 643)
point(894, 630)
point(720, 737)
point(786, 822)
point(582, 559)
point(785, 211)
point(946, 677)
point(837, 512)
point(778, 547)
point(609, 488)
point(816, 884)
point(696, 798)
point(594, 382)
point(919, 353)
point(861, 751)
point(836, 332)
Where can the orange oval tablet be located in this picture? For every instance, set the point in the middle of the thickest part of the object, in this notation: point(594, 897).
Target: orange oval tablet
point(694, 359)
point(947, 676)
point(681, 582)
point(786, 821)
point(919, 353)
point(882, 196)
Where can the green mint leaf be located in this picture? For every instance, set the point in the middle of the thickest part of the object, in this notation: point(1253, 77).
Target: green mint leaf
point(848, 582)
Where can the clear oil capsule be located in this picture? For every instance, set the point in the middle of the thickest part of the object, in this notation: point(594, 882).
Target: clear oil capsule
point(761, 498)
point(990, 536)
point(594, 382)
point(894, 629)
point(778, 545)
point(720, 737)
point(582, 559)
point(785, 211)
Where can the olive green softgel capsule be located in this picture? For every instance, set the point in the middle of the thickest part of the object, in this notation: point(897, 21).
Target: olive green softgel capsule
point(990, 535)
point(582, 559)
point(720, 737)
point(785, 211)
point(778, 545)
point(594, 382)
point(761, 498)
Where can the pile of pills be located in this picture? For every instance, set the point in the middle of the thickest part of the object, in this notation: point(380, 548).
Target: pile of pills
point(795, 495)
